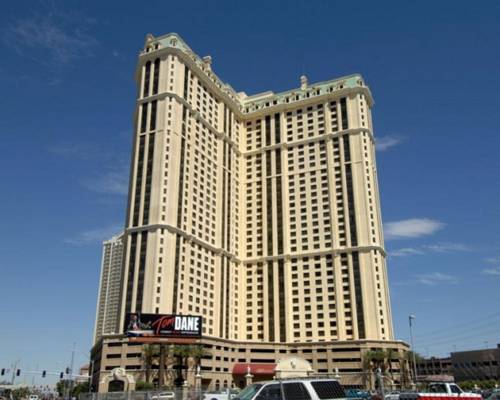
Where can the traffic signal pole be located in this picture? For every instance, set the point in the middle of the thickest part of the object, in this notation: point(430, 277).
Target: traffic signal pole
point(43, 373)
point(14, 371)
point(71, 371)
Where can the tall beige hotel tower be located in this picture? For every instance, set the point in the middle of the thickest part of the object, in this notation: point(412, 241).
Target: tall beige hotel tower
point(260, 213)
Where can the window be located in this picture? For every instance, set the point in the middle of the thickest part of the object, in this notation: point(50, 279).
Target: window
point(295, 391)
point(438, 388)
point(147, 73)
point(270, 392)
point(249, 392)
point(144, 116)
point(156, 75)
point(455, 389)
point(328, 389)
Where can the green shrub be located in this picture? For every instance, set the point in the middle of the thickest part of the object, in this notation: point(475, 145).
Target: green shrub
point(141, 385)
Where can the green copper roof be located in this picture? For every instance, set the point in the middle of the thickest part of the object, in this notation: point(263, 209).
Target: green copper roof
point(315, 89)
point(173, 40)
point(260, 100)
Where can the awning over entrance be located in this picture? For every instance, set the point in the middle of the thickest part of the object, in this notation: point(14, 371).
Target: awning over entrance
point(255, 369)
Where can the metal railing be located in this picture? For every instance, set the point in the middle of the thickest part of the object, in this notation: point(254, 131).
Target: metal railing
point(164, 394)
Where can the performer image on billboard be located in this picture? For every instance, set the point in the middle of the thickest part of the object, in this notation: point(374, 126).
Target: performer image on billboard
point(137, 328)
point(135, 323)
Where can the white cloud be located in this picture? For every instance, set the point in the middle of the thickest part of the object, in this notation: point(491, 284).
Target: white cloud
point(447, 247)
point(411, 228)
point(435, 278)
point(112, 177)
point(406, 251)
point(51, 36)
point(491, 271)
point(430, 248)
point(110, 182)
point(93, 236)
point(81, 151)
point(493, 260)
point(384, 143)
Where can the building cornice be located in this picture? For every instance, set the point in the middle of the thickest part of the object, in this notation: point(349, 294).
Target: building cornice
point(325, 137)
point(259, 104)
point(337, 344)
point(333, 251)
point(187, 237)
point(195, 114)
point(252, 260)
point(221, 135)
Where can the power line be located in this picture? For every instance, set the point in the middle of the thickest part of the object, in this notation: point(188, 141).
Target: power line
point(460, 336)
point(472, 333)
point(463, 323)
point(475, 327)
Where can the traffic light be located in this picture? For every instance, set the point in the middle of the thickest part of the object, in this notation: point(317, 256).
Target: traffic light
point(67, 370)
point(61, 375)
point(44, 374)
point(18, 372)
point(3, 371)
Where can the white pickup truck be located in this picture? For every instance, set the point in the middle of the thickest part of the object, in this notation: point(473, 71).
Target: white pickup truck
point(296, 389)
point(441, 391)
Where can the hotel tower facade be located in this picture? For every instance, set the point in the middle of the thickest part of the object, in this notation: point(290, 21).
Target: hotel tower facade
point(109, 294)
point(261, 213)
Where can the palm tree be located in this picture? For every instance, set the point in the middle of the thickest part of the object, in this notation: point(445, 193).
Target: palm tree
point(164, 352)
point(182, 354)
point(367, 370)
point(149, 353)
point(403, 371)
point(197, 352)
point(389, 354)
point(410, 359)
point(377, 359)
point(374, 359)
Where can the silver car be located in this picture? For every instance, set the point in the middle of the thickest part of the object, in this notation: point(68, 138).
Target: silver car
point(163, 396)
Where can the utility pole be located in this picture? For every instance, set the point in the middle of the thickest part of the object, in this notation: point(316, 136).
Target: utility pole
point(91, 365)
point(71, 370)
point(380, 382)
point(14, 371)
point(410, 318)
point(33, 378)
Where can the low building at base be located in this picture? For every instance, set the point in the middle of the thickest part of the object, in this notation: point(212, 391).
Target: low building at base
point(229, 363)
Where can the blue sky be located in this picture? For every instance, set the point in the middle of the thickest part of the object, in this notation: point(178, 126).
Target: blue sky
point(66, 78)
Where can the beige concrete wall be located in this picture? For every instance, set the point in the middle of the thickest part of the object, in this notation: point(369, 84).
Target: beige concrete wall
point(322, 299)
point(341, 358)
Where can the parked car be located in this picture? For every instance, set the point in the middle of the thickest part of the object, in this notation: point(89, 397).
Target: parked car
point(495, 395)
point(392, 396)
point(357, 394)
point(444, 390)
point(163, 396)
point(221, 394)
point(300, 388)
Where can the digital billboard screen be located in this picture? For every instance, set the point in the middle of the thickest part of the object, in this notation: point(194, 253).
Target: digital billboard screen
point(163, 326)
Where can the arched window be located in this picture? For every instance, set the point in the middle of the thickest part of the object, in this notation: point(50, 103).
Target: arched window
point(217, 385)
point(147, 73)
point(156, 76)
point(144, 117)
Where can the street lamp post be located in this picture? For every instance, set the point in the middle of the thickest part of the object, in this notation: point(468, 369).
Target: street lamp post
point(380, 379)
point(91, 378)
point(410, 318)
